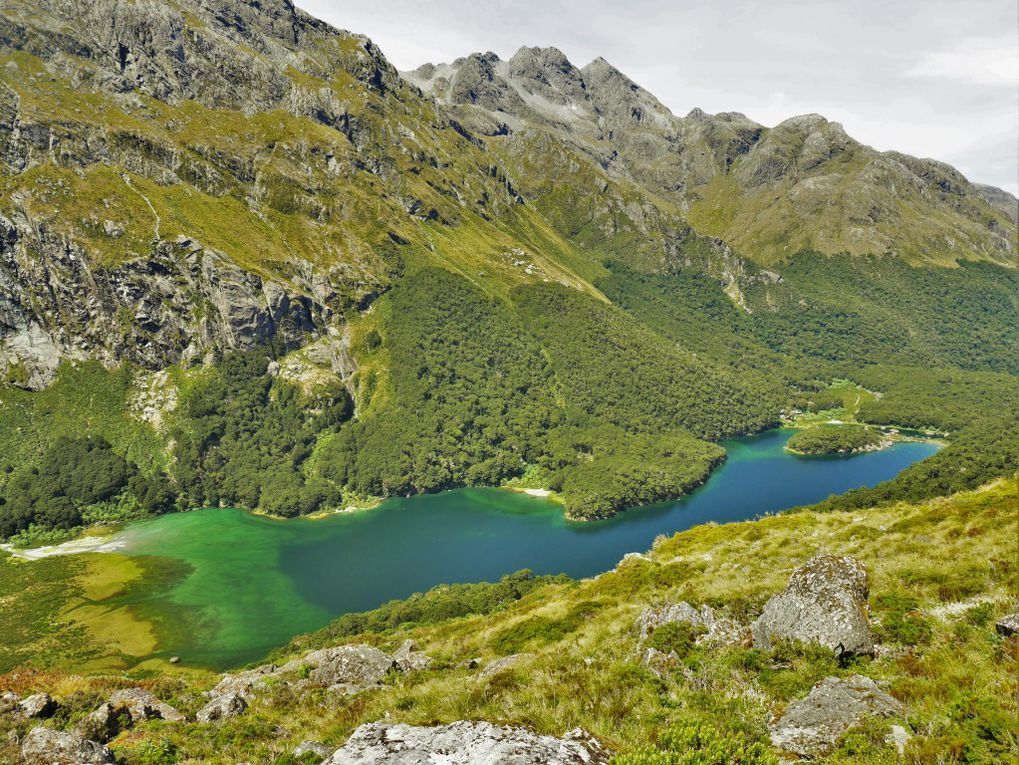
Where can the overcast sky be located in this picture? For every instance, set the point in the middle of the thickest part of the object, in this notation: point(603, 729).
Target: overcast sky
point(935, 78)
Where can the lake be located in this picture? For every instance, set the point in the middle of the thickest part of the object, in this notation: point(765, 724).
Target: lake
point(243, 584)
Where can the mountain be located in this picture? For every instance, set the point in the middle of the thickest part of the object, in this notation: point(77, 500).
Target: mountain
point(245, 257)
point(769, 192)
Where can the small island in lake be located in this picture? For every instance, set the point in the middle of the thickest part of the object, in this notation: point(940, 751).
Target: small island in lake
point(836, 439)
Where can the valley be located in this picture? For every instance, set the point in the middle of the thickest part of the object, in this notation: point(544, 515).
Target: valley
point(478, 403)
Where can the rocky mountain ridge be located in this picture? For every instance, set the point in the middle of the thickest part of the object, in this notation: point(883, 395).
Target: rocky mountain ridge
point(769, 191)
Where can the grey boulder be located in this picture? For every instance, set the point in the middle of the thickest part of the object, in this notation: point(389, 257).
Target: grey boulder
point(466, 743)
point(346, 668)
point(1008, 625)
point(811, 725)
point(504, 663)
point(222, 708)
point(717, 630)
point(825, 602)
point(319, 749)
point(144, 706)
point(54, 747)
point(104, 723)
point(409, 659)
point(37, 705)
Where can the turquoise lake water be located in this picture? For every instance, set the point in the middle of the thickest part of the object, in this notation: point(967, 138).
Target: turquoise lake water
point(252, 582)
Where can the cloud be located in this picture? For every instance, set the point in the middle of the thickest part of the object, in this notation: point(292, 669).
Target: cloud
point(977, 61)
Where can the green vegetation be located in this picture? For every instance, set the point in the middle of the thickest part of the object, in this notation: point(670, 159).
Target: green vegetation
point(834, 439)
point(701, 744)
point(75, 479)
point(941, 573)
point(242, 438)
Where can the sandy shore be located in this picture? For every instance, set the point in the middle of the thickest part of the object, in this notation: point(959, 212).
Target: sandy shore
point(83, 545)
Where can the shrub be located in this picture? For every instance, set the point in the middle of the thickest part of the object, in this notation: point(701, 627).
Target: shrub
point(701, 744)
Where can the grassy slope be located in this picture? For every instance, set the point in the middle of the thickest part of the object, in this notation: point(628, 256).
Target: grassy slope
point(940, 573)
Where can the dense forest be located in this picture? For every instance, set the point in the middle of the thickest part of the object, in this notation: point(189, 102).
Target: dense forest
point(833, 439)
point(612, 403)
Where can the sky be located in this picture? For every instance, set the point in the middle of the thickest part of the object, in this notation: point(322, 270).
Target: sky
point(933, 78)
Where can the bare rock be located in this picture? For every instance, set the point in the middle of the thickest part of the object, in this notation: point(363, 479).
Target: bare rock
point(9, 702)
point(811, 725)
point(144, 706)
point(825, 602)
point(466, 743)
point(315, 747)
point(54, 747)
point(1008, 625)
point(222, 708)
point(409, 659)
point(105, 722)
point(504, 663)
point(717, 630)
point(37, 705)
point(243, 683)
point(345, 668)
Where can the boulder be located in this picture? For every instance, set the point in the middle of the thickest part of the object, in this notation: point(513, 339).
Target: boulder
point(409, 659)
point(506, 662)
point(105, 722)
point(9, 702)
point(718, 630)
point(244, 683)
point(1008, 625)
point(811, 725)
point(37, 705)
point(314, 747)
point(345, 668)
point(222, 708)
point(144, 706)
point(825, 602)
point(54, 747)
point(466, 743)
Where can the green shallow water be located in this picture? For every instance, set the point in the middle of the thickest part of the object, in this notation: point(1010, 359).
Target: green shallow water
point(250, 583)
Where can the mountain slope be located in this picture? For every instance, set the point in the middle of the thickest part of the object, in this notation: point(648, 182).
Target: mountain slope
point(269, 271)
point(803, 184)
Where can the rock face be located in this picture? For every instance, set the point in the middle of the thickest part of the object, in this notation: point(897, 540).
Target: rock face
point(811, 725)
point(718, 630)
point(37, 705)
point(54, 305)
point(222, 707)
point(825, 602)
point(104, 723)
point(770, 179)
point(465, 743)
point(144, 706)
point(409, 659)
point(1008, 625)
point(43, 746)
point(346, 669)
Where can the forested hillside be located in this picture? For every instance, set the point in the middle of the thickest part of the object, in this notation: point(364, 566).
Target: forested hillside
point(281, 276)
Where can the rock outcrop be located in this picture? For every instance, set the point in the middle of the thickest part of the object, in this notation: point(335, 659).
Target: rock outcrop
point(222, 707)
point(715, 629)
point(466, 743)
point(409, 659)
point(104, 723)
point(144, 706)
point(345, 669)
point(811, 725)
point(44, 746)
point(1008, 625)
point(825, 602)
point(37, 705)
point(503, 663)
